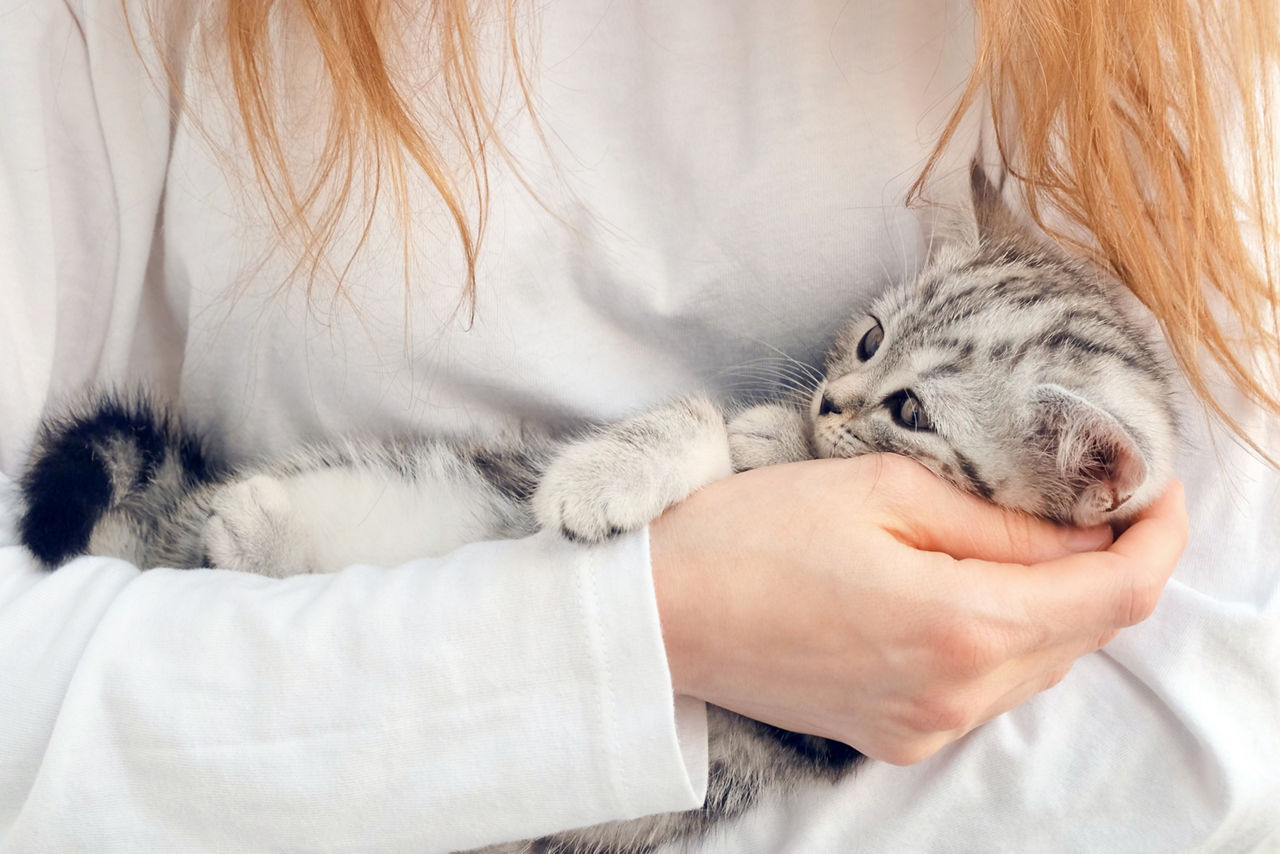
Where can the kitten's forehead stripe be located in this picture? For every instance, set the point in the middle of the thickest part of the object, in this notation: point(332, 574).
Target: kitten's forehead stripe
point(1060, 339)
point(1054, 297)
point(953, 356)
point(939, 306)
point(961, 346)
point(946, 369)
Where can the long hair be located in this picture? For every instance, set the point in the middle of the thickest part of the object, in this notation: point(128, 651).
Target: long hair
point(369, 124)
point(1145, 123)
point(1149, 124)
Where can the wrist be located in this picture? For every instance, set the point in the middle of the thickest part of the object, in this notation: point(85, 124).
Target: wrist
point(671, 584)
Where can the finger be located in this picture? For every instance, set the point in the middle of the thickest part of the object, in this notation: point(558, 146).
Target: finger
point(1087, 597)
point(1003, 689)
point(1036, 683)
point(1149, 551)
point(981, 709)
point(930, 514)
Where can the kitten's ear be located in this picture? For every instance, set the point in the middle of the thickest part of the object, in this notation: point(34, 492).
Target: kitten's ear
point(996, 223)
point(1094, 452)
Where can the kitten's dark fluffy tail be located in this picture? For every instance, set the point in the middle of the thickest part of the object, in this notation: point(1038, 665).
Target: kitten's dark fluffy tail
point(110, 452)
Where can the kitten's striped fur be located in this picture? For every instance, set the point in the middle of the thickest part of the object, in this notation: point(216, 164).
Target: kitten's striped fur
point(1005, 367)
point(1042, 393)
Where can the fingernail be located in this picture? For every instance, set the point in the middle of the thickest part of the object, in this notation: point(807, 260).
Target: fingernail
point(1087, 539)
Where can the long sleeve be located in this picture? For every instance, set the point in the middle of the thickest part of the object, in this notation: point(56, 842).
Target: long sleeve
point(727, 185)
point(507, 690)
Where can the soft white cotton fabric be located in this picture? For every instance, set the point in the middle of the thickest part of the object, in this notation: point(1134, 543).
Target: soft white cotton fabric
point(724, 181)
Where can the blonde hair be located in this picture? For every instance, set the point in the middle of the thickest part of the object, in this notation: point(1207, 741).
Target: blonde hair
point(1117, 114)
point(373, 134)
point(1124, 116)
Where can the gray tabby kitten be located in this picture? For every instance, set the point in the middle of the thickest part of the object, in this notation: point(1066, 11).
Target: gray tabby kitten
point(1006, 368)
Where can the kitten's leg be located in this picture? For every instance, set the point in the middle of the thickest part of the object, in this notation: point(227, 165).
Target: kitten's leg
point(249, 528)
point(623, 476)
point(767, 435)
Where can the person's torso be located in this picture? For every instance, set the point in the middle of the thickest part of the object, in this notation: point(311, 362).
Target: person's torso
point(724, 184)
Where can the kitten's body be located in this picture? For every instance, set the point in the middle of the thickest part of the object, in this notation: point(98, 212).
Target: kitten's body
point(1005, 368)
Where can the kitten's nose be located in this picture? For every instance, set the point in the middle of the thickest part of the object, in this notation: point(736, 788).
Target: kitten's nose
point(828, 406)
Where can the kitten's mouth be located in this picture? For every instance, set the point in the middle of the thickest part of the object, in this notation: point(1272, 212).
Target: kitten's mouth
point(843, 444)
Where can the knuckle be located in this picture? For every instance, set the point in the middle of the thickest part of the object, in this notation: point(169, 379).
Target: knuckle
point(1139, 603)
point(1056, 676)
point(909, 752)
point(935, 714)
point(963, 651)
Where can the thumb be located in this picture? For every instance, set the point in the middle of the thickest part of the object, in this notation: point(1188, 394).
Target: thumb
point(930, 514)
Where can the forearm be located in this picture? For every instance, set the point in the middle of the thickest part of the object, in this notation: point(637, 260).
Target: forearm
point(528, 674)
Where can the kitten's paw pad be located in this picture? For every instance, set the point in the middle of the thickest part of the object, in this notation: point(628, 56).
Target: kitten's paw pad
point(250, 528)
point(767, 435)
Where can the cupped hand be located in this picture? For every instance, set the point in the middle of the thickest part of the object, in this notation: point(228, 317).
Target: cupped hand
point(868, 601)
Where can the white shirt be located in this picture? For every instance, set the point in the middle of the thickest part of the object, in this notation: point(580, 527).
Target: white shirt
point(723, 181)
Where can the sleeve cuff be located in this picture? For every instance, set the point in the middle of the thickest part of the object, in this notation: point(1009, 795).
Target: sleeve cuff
point(659, 748)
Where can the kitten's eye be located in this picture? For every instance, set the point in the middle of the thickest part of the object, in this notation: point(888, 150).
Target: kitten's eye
point(870, 342)
point(907, 411)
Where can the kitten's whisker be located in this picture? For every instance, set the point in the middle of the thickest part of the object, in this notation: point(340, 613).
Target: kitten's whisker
point(766, 388)
point(792, 360)
point(773, 369)
point(776, 366)
point(773, 372)
point(772, 383)
point(755, 393)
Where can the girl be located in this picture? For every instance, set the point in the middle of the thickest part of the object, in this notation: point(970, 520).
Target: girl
point(308, 219)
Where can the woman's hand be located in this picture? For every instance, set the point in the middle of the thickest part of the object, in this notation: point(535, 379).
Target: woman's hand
point(868, 601)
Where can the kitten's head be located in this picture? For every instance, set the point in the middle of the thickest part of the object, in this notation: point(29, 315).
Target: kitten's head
point(1009, 370)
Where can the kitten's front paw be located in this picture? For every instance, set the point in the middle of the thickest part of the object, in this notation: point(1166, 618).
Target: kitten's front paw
point(767, 435)
point(249, 529)
point(624, 477)
point(579, 497)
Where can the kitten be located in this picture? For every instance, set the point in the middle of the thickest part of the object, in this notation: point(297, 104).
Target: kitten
point(1005, 367)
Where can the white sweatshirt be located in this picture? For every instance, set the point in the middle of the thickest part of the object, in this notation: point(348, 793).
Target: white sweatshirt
point(724, 181)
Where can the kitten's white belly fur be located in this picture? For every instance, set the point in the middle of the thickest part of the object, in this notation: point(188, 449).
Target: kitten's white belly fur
point(352, 516)
point(324, 519)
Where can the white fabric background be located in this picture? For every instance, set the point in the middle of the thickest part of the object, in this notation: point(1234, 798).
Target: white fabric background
point(731, 179)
